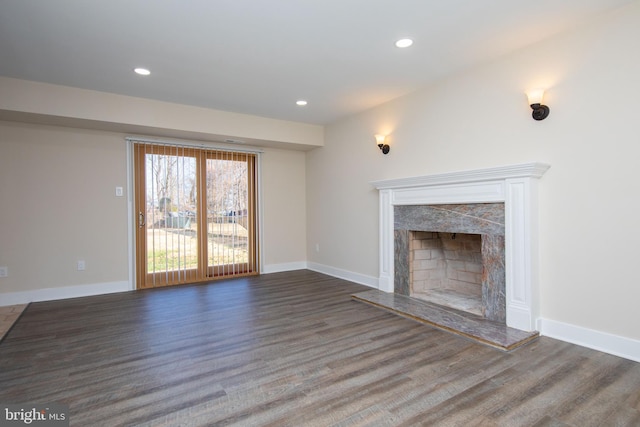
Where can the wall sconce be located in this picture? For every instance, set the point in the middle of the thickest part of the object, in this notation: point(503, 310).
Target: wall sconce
point(381, 145)
point(540, 111)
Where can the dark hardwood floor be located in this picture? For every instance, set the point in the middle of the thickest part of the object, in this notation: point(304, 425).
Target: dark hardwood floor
point(293, 349)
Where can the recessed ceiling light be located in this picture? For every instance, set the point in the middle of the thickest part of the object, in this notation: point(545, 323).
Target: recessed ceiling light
point(142, 71)
point(404, 43)
point(301, 102)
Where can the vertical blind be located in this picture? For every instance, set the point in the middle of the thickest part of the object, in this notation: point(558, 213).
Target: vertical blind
point(196, 214)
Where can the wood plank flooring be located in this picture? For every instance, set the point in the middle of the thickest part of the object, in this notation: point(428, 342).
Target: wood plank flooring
point(293, 349)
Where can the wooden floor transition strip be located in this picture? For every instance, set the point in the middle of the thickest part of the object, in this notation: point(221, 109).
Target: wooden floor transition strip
point(9, 315)
point(468, 325)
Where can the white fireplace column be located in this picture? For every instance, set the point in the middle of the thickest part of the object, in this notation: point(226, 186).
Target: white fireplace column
point(515, 186)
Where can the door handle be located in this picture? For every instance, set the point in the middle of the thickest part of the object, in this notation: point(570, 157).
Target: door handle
point(141, 221)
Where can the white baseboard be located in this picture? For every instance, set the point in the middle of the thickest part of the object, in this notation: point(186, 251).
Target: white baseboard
point(288, 266)
point(48, 294)
point(344, 274)
point(596, 340)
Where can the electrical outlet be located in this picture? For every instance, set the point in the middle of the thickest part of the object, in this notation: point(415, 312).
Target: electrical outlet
point(119, 191)
point(4, 271)
point(81, 265)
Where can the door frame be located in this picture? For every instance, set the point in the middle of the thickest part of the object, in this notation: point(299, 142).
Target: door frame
point(131, 214)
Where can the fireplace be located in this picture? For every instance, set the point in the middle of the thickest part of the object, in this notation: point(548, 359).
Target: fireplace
point(452, 255)
point(446, 269)
point(513, 187)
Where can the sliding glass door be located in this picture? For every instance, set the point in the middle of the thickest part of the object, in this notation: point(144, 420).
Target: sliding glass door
point(195, 214)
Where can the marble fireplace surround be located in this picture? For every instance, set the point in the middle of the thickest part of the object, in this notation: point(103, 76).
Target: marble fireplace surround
point(483, 219)
point(516, 186)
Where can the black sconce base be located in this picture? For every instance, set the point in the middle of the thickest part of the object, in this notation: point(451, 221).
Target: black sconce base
point(540, 112)
point(384, 148)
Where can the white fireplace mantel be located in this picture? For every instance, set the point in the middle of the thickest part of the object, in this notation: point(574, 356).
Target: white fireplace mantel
point(515, 186)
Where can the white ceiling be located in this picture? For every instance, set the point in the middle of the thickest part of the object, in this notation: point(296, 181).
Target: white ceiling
point(259, 56)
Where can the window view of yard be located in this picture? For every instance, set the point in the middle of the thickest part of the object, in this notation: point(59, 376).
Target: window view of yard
point(172, 225)
point(176, 248)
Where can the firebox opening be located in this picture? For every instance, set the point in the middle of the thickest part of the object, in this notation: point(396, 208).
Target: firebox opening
point(447, 269)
